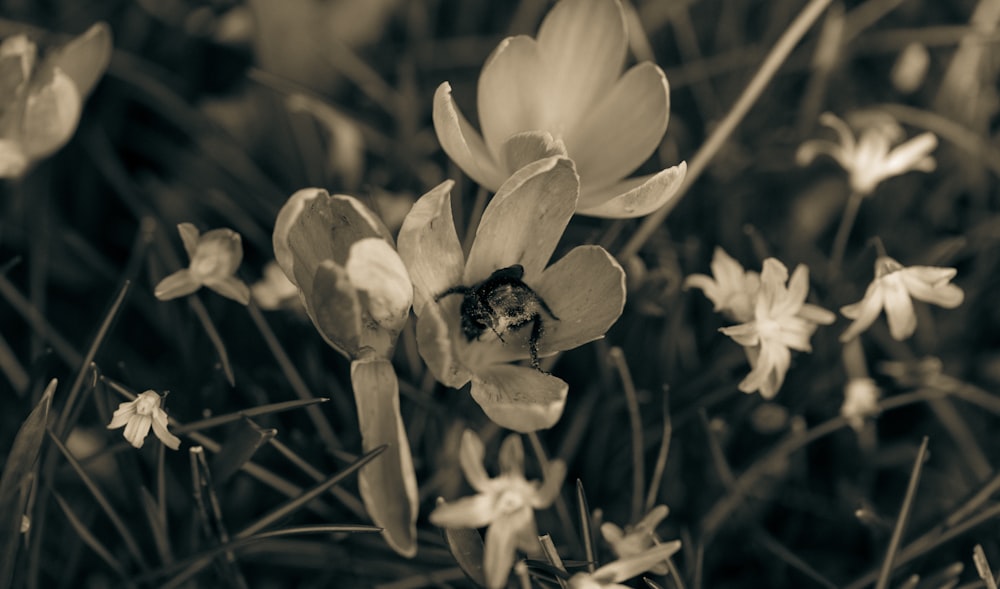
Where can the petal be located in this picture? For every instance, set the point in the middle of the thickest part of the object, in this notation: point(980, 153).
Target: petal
point(51, 115)
point(634, 197)
point(437, 343)
point(463, 144)
point(745, 334)
point(334, 308)
point(583, 44)
point(622, 130)
point(650, 521)
point(511, 93)
point(468, 512)
point(773, 278)
point(232, 288)
point(160, 430)
point(611, 532)
point(930, 285)
point(844, 132)
point(816, 314)
point(525, 220)
point(909, 155)
point(864, 312)
point(586, 291)
point(122, 415)
point(137, 430)
point(898, 308)
point(429, 246)
point(178, 284)
point(809, 150)
point(791, 299)
point(530, 146)
point(374, 267)
point(512, 456)
point(217, 256)
point(518, 398)
point(85, 58)
point(501, 542)
point(189, 237)
point(626, 568)
point(471, 455)
point(780, 359)
point(546, 494)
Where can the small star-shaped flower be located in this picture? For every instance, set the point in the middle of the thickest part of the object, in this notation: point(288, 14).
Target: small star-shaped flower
point(215, 256)
point(637, 539)
point(141, 414)
point(730, 288)
point(612, 574)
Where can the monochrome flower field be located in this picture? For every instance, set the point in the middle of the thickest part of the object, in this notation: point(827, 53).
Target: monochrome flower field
point(560, 294)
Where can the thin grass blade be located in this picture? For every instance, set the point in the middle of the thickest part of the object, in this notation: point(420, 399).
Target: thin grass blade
point(239, 448)
point(89, 539)
point(244, 413)
point(586, 530)
point(904, 514)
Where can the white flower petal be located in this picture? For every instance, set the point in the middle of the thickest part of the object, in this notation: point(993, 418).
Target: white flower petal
point(634, 197)
point(463, 144)
point(511, 93)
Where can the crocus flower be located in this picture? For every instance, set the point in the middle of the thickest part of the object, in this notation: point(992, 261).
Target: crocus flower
point(563, 93)
point(893, 288)
point(41, 102)
point(141, 414)
point(612, 574)
point(505, 504)
point(782, 321)
point(634, 540)
point(871, 158)
point(521, 226)
point(860, 401)
point(357, 293)
point(730, 288)
point(215, 256)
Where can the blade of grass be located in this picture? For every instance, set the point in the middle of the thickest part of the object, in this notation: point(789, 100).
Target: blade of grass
point(552, 555)
point(239, 449)
point(102, 500)
point(157, 526)
point(19, 470)
point(246, 413)
point(352, 503)
point(661, 456)
point(635, 426)
point(211, 515)
point(585, 528)
point(904, 515)
point(89, 539)
point(39, 323)
point(699, 162)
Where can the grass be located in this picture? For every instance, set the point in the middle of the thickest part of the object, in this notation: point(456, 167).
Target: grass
point(193, 123)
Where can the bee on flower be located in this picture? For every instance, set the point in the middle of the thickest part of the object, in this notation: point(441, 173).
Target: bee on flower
point(505, 505)
point(893, 288)
point(41, 101)
point(505, 303)
point(782, 321)
point(563, 93)
point(612, 574)
point(141, 414)
point(214, 256)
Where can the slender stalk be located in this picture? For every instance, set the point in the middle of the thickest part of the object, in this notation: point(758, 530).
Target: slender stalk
point(635, 423)
point(779, 53)
point(904, 515)
point(844, 232)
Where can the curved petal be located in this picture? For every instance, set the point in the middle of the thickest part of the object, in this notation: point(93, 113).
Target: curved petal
point(468, 512)
point(471, 454)
point(333, 305)
point(51, 115)
point(626, 568)
point(511, 93)
point(586, 291)
point(160, 431)
point(930, 285)
point(463, 144)
point(231, 288)
point(511, 456)
point(178, 284)
point(910, 155)
point(623, 129)
point(898, 308)
point(429, 246)
point(844, 132)
point(745, 334)
point(137, 430)
point(546, 494)
point(809, 150)
point(85, 58)
point(501, 543)
point(583, 45)
point(518, 398)
point(189, 237)
point(374, 267)
point(530, 146)
point(634, 197)
point(525, 220)
point(864, 312)
point(122, 415)
point(437, 347)
point(218, 254)
point(791, 299)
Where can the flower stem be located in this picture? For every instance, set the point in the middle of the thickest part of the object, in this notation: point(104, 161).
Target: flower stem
point(844, 231)
point(779, 53)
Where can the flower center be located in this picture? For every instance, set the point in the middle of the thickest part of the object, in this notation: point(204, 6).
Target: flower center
point(768, 328)
point(509, 501)
point(146, 404)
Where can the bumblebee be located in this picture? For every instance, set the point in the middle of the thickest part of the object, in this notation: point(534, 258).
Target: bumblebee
point(502, 303)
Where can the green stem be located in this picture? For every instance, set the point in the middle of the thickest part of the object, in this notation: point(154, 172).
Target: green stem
point(844, 232)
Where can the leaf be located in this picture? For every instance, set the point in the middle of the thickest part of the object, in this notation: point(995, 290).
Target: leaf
point(17, 474)
point(389, 485)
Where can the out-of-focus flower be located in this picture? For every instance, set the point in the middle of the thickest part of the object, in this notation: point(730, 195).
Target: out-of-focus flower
point(612, 574)
point(860, 401)
point(274, 290)
point(871, 158)
point(634, 540)
point(141, 414)
point(892, 289)
point(215, 256)
point(910, 69)
point(41, 102)
point(350, 278)
point(521, 226)
point(782, 321)
point(563, 93)
point(505, 504)
point(357, 293)
point(730, 288)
